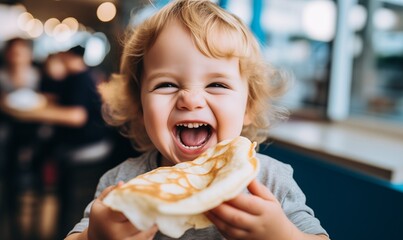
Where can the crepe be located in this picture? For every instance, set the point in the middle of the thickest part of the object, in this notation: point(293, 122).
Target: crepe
point(174, 198)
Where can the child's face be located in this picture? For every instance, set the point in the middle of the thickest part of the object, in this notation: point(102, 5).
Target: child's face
point(190, 102)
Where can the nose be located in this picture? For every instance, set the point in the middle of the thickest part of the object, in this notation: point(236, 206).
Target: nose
point(190, 100)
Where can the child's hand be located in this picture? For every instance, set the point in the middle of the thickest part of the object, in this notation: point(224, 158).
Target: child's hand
point(253, 216)
point(106, 223)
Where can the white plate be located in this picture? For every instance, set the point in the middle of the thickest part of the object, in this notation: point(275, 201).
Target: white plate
point(24, 99)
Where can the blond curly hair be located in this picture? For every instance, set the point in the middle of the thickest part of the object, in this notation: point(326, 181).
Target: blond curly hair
point(121, 94)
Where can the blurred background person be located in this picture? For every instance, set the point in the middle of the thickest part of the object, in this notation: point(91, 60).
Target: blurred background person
point(18, 76)
point(70, 141)
point(18, 71)
point(80, 142)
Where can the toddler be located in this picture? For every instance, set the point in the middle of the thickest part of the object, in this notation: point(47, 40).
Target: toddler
point(191, 76)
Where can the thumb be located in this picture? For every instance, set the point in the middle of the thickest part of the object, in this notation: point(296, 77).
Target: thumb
point(258, 189)
point(147, 234)
point(116, 216)
point(105, 192)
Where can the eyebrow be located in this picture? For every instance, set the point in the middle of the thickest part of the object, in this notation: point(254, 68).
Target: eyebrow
point(159, 75)
point(156, 75)
point(218, 75)
point(223, 75)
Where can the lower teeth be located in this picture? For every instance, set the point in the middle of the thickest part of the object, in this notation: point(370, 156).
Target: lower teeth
point(191, 147)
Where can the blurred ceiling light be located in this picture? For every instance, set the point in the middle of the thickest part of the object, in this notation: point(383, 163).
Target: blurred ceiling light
point(81, 28)
point(23, 20)
point(357, 17)
point(319, 20)
point(50, 26)
point(62, 32)
point(385, 19)
point(10, 15)
point(72, 23)
point(19, 7)
point(96, 49)
point(106, 11)
point(34, 28)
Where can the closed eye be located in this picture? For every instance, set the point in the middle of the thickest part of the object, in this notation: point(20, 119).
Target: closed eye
point(165, 88)
point(217, 85)
point(165, 85)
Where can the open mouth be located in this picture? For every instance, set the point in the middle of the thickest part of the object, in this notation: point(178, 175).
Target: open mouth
point(193, 135)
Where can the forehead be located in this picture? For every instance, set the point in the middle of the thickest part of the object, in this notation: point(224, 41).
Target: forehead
point(172, 36)
point(175, 48)
point(214, 37)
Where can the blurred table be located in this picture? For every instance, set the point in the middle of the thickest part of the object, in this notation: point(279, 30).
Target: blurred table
point(369, 152)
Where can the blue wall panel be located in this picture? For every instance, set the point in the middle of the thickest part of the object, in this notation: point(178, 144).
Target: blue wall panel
point(348, 204)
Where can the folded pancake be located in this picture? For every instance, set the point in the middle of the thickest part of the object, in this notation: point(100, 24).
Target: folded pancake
point(175, 197)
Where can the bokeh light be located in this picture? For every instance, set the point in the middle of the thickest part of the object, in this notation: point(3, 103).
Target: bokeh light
point(50, 26)
point(106, 11)
point(319, 20)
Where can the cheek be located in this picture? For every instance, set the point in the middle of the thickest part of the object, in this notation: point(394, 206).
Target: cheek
point(231, 114)
point(149, 113)
point(155, 113)
point(151, 125)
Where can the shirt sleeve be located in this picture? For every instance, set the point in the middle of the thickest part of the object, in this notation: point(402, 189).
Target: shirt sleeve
point(294, 206)
point(278, 177)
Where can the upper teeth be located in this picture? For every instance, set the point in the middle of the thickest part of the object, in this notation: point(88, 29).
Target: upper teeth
point(191, 125)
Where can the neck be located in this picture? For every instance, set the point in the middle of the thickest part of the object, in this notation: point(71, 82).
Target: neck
point(163, 162)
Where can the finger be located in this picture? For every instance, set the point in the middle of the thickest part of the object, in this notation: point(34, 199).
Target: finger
point(118, 217)
point(114, 215)
point(147, 234)
point(109, 189)
point(232, 216)
point(105, 192)
point(105, 211)
point(246, 203)
point(226, 229)
point(258, 189)
point(127, 229)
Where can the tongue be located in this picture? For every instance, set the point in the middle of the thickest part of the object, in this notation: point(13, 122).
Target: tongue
point(193, 136)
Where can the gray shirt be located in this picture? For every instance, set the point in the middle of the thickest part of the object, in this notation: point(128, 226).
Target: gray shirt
point(275, 175)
